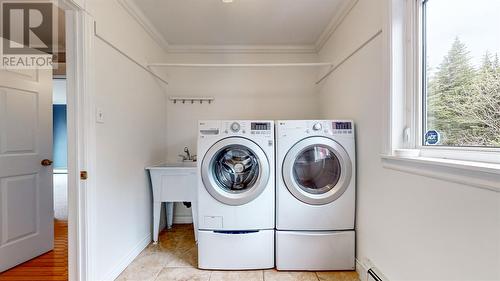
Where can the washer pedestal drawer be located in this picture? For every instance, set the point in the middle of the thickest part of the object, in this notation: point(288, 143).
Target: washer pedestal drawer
point(315, 250)
point(236, 249)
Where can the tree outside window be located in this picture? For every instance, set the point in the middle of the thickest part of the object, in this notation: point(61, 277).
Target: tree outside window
point(462, 93)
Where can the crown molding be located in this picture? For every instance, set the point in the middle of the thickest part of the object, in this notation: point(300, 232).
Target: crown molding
point(144, 22)
point(335, 22)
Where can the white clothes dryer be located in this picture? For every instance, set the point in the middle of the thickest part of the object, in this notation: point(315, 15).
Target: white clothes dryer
point(315, 195)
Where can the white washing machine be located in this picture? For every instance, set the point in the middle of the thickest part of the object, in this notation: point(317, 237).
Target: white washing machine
point(315, 195)
point(236, 195)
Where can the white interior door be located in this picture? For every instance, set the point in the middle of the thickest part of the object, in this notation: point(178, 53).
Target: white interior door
point(26, 208)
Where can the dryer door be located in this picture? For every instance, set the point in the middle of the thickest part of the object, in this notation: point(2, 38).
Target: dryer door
point(235, 171)
point(317, 170)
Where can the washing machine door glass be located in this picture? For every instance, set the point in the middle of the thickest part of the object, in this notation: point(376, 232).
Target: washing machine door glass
point(317, 170)
point(236, 168)
point(235, 171)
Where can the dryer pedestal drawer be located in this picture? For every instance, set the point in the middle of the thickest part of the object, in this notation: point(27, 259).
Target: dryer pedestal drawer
point(315, 250)
point(236, 250)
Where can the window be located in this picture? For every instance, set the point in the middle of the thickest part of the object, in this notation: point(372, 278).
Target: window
point(443, 75)
point(460, 90)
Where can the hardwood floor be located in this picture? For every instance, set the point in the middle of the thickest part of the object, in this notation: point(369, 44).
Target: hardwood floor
point(50, 266)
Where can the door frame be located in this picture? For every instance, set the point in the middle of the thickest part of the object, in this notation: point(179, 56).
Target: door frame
point(81, 138)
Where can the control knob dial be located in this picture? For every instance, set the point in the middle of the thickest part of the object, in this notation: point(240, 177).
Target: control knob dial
point(235, 127)
point(317, 127)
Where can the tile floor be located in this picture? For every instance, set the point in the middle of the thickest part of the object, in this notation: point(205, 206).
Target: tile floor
point(174, 258)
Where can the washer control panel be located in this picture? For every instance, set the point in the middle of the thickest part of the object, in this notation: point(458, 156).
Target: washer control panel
point(235, 127)
point(261, 128)
point(317, 126)
point(247, 128)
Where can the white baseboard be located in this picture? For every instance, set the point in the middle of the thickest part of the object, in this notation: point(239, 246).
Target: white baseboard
point(361, 270)
point(183, 219)
point(124, 262)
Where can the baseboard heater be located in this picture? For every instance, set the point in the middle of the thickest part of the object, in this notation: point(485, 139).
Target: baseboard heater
point(375, 275)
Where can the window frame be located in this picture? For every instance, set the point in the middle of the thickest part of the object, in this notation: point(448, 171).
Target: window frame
point(416, 93)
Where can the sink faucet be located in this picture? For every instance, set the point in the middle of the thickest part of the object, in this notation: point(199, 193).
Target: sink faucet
point(187, 156)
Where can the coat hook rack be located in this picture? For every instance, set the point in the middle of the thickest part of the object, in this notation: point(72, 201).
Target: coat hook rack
point(192, 99)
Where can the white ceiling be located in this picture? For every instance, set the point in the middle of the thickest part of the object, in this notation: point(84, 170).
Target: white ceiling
point(278, 23)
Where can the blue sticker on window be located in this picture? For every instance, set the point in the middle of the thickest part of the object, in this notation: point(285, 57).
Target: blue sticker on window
point(431, 137)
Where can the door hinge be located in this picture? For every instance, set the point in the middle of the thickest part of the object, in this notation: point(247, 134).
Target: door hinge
point(83, 175)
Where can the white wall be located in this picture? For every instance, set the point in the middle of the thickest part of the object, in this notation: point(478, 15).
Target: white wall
point(240, 93)
point(59, 91)
point(411, 227)
point(132, 136)
point(60, 183)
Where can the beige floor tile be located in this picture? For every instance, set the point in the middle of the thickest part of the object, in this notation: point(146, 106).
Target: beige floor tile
point(254, 275)
point(187, 258)
point(164, 256)
point(338, 276)
point(175, 258)
point(149, 263)
point(183, 274)
point(144, 268)
point(274, 275)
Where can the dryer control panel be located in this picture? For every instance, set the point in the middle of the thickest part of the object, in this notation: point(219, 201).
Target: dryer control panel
point(244, 127)
point(316, 127)
point(342, 127)
point(329, 127)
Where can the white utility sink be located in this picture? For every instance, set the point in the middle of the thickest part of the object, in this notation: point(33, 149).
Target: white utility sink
point(184, 164)
point(173, 182)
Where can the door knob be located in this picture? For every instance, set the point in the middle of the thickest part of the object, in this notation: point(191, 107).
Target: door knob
point(46, 162)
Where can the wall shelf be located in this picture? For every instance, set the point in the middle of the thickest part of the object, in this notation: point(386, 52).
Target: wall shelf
point(332, 66)
point(329, 65)
point(239, 65)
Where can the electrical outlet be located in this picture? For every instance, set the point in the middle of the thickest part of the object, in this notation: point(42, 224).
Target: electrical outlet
point(99, 115)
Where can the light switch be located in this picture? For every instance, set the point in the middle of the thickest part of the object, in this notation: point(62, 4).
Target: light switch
point(99, 115)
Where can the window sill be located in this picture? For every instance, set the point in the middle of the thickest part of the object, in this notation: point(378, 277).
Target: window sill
point(477, 174)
